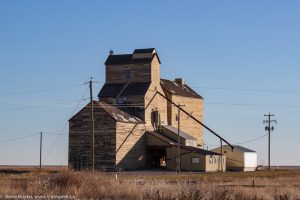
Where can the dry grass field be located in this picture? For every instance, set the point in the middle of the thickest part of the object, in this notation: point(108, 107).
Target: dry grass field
point(56, 183)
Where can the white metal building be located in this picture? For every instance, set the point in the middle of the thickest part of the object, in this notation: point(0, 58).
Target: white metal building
point(240, 159)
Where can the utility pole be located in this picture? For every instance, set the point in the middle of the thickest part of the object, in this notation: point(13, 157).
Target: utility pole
point(178, 142)
point(269, 128)
point(221, 155)
point(92, 123)
point(41, 142)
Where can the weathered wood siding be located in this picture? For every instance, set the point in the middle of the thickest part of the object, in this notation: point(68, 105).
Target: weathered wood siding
point(187, 165)
point(117, 73)
point(140, 72)
point(130, 146)
point(80, 140)
point(194, 106)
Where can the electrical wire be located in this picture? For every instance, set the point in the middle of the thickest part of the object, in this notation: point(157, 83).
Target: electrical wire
point(248, 89)
point(39, 91)
point(257, 105)
point(55, 133)
point(18, 138)
point(247, 141)
point(253, 139)
point(61, 132)
point(66, 105)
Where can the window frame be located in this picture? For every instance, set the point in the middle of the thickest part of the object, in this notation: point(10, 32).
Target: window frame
point(195, 163)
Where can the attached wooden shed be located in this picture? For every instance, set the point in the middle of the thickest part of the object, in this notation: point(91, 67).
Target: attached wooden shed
point(112, 149)
point(161, 153)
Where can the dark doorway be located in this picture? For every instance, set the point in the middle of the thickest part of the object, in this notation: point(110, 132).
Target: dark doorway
point(156, 158)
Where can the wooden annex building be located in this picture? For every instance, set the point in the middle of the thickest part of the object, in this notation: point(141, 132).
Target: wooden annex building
point(135, 121)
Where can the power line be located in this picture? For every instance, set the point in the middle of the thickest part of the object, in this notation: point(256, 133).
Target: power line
point(17, 138)
point(252, 139)
point(20, 108)
point(247, 141)
point(257, 105)
point(61, 132)
point(38, 91)
point(55, 133)
point(248, 89)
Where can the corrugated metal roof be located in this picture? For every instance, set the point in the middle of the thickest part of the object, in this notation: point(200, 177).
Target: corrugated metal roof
point(198, 150)
point(178, 89)
point(237, 147)
point(187, 148)
point(175, 131)
point(116, 113)
point(161, 137)
point(242, 148)
point(113, 111)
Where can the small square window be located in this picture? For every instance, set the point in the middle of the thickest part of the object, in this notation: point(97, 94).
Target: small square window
point(195, 160)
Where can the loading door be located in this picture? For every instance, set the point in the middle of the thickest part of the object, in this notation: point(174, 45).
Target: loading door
point(156, 158)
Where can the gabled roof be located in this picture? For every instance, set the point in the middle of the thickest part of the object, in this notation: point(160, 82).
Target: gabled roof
point(113, 111)
point(126, 59)
point(242, 148)
point(116, 113)
point(175, 88)
point(236, 147)
point(133, 88)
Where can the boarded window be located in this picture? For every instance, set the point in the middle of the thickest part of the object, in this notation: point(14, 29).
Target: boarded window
point(195, 160)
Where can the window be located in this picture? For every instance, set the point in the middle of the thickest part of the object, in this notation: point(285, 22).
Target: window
point(128, 74)
point(195, 160)
point(211, 160)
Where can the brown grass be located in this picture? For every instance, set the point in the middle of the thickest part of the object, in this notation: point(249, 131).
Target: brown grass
point(279, 185)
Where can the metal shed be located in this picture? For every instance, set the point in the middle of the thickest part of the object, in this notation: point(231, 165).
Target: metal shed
point(240, 159)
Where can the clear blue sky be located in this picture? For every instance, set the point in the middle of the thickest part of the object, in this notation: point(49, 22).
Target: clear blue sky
point(211, 44)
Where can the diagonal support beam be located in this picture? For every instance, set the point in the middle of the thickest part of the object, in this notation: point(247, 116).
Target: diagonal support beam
point(126, 138)
point(191, 116)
